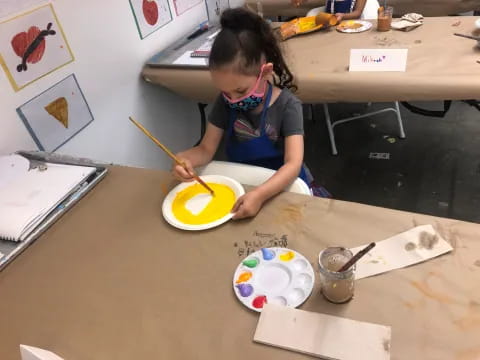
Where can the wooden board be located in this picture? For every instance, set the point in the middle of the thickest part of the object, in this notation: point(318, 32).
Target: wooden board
point(325, 336)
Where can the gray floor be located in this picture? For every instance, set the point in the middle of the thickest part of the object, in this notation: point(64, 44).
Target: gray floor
point(435, 170)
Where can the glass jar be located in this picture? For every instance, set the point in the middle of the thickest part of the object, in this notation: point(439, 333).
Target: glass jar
point(337, 287)
point(384, 20)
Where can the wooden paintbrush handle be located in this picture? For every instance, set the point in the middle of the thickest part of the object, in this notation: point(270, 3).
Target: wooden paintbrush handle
point(169, 153)
point(357, 257)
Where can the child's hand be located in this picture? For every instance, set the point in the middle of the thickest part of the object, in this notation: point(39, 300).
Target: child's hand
point(180, 173)
point(248, 205)
point(339, 16)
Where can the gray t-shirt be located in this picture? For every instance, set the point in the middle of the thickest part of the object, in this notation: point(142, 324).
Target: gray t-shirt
point(284, 118)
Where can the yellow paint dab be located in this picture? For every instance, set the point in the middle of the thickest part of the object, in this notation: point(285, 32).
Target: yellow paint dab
point(245, 276)
point(287, 256)
point(220, 204)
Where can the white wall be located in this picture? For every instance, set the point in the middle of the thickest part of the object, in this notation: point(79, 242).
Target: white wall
point(109, 56)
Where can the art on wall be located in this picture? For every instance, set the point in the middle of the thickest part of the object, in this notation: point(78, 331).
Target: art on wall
point(215, 8)
point(183, 5)
point(57, 114)
point(150, 15)
point(32, 45)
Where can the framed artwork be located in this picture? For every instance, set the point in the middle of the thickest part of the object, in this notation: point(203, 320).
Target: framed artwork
point(150, 15)
point(56, 115)
point(32, 45)
point(183, 5)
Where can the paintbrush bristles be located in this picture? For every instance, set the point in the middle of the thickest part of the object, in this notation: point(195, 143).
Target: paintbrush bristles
point(171, 154)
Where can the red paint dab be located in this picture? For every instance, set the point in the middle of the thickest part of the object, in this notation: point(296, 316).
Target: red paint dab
point(259, 301)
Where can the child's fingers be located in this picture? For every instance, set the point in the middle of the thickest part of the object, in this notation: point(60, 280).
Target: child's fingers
point(240, 213)
point(189, 167)
point(181, 174)
point(238, 204)
point(239, 208)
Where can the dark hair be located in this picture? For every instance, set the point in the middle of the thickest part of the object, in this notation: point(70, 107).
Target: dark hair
point(247, 39)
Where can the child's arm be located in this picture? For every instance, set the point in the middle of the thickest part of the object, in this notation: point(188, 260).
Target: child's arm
point(355, 14)
point(249, 204)
point(200, 154)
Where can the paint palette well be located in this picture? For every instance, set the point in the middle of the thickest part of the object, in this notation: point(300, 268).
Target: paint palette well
point(189, 206)
point(273, 275)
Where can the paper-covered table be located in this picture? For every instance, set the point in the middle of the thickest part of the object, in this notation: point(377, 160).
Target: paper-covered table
point(111, 280)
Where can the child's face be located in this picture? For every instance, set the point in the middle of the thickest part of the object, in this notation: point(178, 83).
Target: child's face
point(236, 85)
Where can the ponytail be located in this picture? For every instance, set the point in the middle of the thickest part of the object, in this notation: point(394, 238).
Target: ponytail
point(245, 40)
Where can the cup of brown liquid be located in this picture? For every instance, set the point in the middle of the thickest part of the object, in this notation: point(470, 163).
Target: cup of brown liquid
point(384, 20)
point(336, 286)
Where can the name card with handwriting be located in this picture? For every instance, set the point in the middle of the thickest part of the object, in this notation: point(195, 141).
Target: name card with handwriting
point(378, 59)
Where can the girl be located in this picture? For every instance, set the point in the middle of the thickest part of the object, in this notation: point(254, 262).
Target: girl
point(260, 119)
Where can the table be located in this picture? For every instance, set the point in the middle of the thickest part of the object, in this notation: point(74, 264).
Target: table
point(440, 66)
point(111, 280)
point(425, 7)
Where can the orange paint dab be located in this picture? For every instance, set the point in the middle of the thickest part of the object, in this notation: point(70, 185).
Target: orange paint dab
point(244, 277)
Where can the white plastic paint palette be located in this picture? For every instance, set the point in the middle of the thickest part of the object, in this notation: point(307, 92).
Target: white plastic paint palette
point(273, 275)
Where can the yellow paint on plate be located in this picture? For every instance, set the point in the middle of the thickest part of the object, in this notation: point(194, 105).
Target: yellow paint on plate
point(287, 256)
point(220, 205)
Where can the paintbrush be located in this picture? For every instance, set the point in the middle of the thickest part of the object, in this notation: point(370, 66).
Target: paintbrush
point(357, 257)
point(172, 155)
point(468, 36)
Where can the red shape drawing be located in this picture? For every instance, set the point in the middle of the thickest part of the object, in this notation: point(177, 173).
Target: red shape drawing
point(150, 11)
point(30, 45)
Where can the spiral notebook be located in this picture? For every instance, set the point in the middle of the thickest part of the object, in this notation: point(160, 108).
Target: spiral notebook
point(28, 195)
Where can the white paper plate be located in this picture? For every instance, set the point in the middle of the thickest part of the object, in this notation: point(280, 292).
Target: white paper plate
point(365, 26)
point(277, 275)
point(218, 179)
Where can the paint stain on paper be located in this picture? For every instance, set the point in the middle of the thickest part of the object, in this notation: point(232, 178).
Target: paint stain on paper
point(427, 291)
point(164, 188)
point(291, 213)
point(386, 345)
point(471, 320)
point(410, 246)
point(427, 240)
point(412, 305)
point(469, 354)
